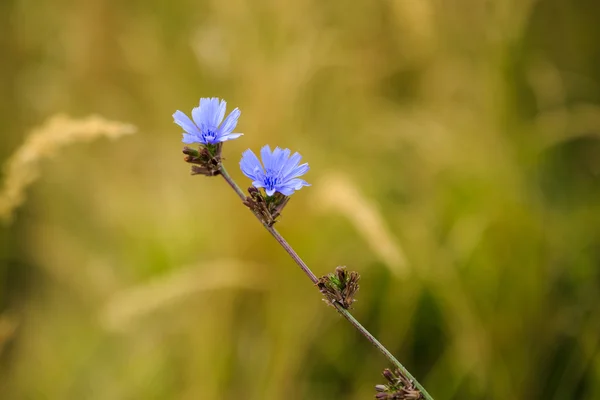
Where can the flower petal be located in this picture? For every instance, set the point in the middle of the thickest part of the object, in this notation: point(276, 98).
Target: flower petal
point(298, 171)
point(275, 160)
point(290, 164)
point(286, 190)
point(221, 113)
point(230, 122)
point(267, 158)
point(250, 165)
point(230, 136)
point(297, 184)
point(211, 111)
point(270, 192)
point(280, 158)
point(189, 139)
point(185, 122)
point(206, 113)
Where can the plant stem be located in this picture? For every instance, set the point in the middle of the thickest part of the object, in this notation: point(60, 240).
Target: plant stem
point(345, 313)
point(231, 182)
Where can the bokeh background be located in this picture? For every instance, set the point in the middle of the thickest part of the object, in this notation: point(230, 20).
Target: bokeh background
point(455, 161)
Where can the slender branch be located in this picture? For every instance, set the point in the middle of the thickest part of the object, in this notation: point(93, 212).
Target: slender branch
point(345, 313)
point(293, 254)
point(232, 183)
point(271, 230)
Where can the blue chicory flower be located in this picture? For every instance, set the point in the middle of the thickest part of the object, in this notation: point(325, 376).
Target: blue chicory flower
point(206, 127)
point(280, 172)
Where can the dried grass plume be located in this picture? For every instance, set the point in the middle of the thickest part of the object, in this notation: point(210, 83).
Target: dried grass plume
point(336, 192)
point(23, 168)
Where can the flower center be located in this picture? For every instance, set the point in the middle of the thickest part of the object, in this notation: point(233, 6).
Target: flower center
point(209, 135)
point(271, 181)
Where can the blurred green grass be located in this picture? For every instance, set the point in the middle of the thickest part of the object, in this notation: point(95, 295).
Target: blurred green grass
point(469, 129)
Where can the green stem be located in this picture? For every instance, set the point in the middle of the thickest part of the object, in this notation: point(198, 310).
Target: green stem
point(345, 313)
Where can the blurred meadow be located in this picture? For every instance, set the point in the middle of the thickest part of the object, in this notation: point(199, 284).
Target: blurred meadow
point(455, 162)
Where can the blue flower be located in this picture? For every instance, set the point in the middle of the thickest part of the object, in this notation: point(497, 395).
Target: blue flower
point(205, 127)
point(280, 172)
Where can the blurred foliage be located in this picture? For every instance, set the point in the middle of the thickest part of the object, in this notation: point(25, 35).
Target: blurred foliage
point(466, 135)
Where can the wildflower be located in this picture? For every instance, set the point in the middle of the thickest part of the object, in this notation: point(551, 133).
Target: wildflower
point(206, 127)
point(280, 173)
